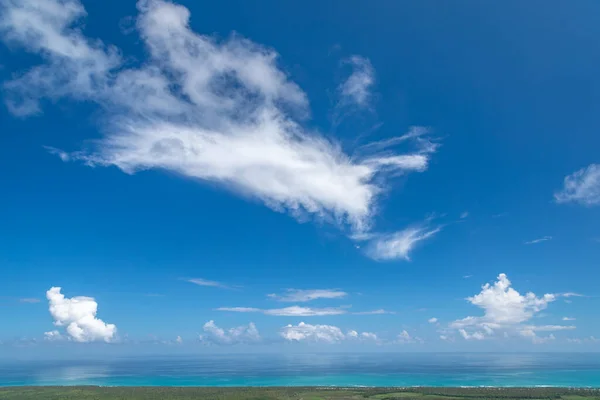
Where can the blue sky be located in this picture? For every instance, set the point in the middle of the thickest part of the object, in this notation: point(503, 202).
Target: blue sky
point(370, 168)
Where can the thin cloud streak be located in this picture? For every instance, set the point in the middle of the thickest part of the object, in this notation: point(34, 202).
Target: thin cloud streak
point(540, 240)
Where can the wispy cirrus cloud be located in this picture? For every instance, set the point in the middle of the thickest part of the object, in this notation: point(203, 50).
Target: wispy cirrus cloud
point(292, 311)
point(379, 311)
point(304, 295)
point(540, 240)
point(399, 245)
point(30, 300)
point(206, 282)
point(356, 89)
point(217, 111)
point(582, 186)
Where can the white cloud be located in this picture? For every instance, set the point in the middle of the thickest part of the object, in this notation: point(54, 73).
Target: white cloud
point(219, 111)
point(356, 90)
point(464, 215)
point(569, 319)
point(29, 300)
point(179, 340)
point(404, 338)
point(374, 312)
point(549, 328)
point(535, 339)
point(571, 294)
point(292, 311)
point(400, 244)
point(53, 336)
point(581, 187)
point(540, 240)
point(324, 334)
point(590, 339)
point(300, 295)
point(78, 316)
point(241, 334)
point(474, 336)
point(432, 320)
point(206, 282)
point(505, 310)
point(369, 336)
point(312, 333)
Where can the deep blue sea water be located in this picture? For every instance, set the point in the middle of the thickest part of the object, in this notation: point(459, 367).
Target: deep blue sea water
point(530, 369)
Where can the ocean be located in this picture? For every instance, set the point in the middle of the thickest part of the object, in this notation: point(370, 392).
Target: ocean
point(393, 369)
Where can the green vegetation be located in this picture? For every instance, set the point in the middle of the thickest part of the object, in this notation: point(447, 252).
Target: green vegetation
point(291, 393)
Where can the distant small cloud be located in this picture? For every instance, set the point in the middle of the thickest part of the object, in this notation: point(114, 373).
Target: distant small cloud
point(30, 300)
point(464, 215)
point(206, 282)
point(540, 240)
point(432, 320)
point(571, 294)
point(179, 340)
point(301, 295)
point(500, 215)
point(405, 338)
point(292, 311)
point(467, 276)
point(399, 245)
point(374, 312)
point(569, 319)
point(356, 90)
point(241, 334)
point(582, 186)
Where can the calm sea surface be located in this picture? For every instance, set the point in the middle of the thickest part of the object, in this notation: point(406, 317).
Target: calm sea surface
point(578, 370)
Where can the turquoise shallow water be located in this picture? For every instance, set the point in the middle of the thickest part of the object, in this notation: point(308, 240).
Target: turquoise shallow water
point(564, 369)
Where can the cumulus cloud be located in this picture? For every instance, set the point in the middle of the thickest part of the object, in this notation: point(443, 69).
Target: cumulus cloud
point(535, 339)
point(540, 240)
point(312, 333)
point(53, 336)
point(506, 311)
point(324, 334)
point(400, 244)
point(432, 320)
point(301, 295)
point(473, 336)
point(241, 334)
point(78, 316)
point(581, 187)
point(369, 336)
point(404, 338)
point(218, 111)
point(292, 311)
point(179, 340)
